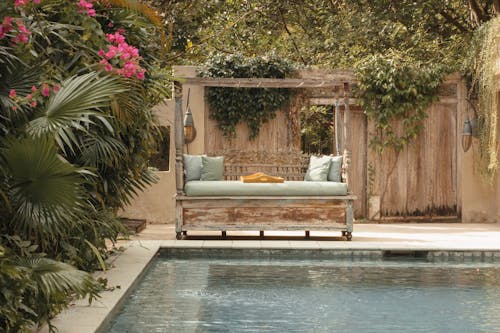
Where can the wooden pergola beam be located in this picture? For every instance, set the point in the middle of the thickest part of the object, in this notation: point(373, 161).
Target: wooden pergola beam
point(267, 83)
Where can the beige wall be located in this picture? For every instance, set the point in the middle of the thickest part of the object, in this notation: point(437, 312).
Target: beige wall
point(157, 203)
point(481, 202)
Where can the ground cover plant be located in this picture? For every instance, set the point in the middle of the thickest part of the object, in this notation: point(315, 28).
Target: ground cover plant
point(78, 80)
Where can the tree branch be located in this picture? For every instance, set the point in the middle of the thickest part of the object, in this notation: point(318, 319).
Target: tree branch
point(476, 13)
point(447, 16)
point(291, 37)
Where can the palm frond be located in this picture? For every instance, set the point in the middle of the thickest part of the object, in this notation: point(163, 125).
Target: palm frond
point(55, 277)
point(79, 98)
point(101, 150)
point(45, 191)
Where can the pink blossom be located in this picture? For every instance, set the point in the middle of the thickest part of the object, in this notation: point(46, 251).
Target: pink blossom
point(140, 75)
point(110, 25)
point(29, 97)
point(33, 104)
point(13, 108)
point(128, 55)
point(7, 21)
point(86, 7)
point(20, 3)
point(56, 88)
point(33, 89)
point(37, 1)
point(12, 93)
point(107, 65)
point(45, 90)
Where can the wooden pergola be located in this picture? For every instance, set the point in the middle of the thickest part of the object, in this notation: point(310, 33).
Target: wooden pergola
point(339, 84)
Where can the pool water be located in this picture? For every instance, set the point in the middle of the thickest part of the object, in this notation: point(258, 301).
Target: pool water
point(217, 295)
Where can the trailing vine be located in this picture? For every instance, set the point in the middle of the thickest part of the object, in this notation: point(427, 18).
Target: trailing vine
point(253, 106)
point(396, 88)
point(485, 82)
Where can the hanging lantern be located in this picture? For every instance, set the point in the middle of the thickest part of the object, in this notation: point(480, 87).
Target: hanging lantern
point(467, 135)
point(189, 129)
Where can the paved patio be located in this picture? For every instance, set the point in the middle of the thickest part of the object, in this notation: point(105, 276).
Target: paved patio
point(481, 240)
point(417, 236)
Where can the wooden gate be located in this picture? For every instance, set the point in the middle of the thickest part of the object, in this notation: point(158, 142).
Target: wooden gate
point(422, 181)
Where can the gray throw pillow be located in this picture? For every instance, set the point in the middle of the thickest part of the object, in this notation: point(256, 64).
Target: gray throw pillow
point(192, 167)
point(212, 168)
point(318, 169)
point(334, 175)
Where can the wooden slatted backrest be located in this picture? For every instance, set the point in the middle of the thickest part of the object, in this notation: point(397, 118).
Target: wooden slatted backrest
point(289, 172)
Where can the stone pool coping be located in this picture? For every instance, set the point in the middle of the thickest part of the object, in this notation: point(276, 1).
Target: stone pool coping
point(129, 266)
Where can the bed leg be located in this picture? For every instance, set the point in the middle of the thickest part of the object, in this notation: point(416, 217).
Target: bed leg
point(308, 234)
point(348, 235)
point(224, 235)
point(261, 234)
point(178, 235)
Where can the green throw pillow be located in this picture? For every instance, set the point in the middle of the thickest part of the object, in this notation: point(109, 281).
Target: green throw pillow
point(212, 168)
point(334, 175)
point(318, 169)
point(192, 167)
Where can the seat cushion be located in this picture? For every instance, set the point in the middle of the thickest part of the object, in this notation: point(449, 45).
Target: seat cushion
point(289, 188)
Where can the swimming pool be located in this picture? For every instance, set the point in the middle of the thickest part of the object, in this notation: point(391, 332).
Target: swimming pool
point(195, 294)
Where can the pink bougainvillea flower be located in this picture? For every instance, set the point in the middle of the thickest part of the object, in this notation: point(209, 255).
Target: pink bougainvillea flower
point(127, 55)
point(23, 33)
point(20, 3)
point(56, 88)
point(45, 90)
point(29, 97)
point(33, 89)
point(86, 7)
point(33, 104)
point(13, 108)
point(12, 93)
point(37, 1)
point(140, 75)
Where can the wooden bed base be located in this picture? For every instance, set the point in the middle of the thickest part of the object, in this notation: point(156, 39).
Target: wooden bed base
point(265, 213)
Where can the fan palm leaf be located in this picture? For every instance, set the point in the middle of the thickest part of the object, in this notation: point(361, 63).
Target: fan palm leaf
point(101, 150)
point(45, 190)
point(55, 277)
point(76, 105)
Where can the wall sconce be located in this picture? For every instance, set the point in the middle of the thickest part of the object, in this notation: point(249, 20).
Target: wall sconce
point(189, 129)
point(466, 135)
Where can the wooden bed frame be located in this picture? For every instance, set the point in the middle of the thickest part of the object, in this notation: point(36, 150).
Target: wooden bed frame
point(260, 213)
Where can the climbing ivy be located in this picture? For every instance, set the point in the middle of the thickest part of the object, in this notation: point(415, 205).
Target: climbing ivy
point(253, 106)
point(395, 88)
point(485, 86)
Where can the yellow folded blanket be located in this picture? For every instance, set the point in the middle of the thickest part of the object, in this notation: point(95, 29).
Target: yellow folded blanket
point(261, 177)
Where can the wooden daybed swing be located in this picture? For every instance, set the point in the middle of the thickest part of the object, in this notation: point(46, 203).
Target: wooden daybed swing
point(264, 212)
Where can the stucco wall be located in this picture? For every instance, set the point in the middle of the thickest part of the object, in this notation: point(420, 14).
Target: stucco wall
point(157, 203)
point(481, 202)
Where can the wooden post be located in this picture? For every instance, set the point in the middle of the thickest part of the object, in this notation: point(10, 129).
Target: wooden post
point(346, 170)
point(338, 126)
point(179, 141)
